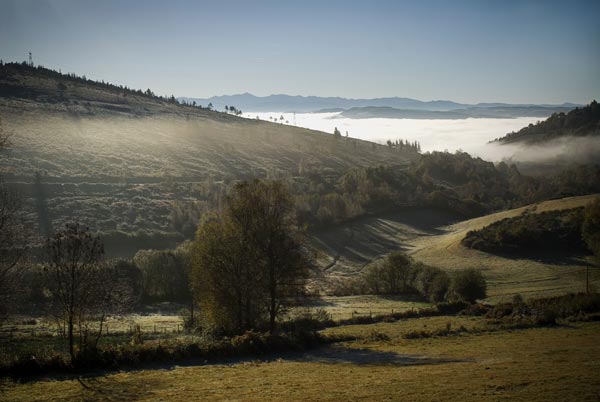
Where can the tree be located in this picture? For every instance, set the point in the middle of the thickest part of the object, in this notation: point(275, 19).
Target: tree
point(163, 275)
point(590, 232)
point(249, 260)
point(83, 290)
point(336, 133)
point(467, 285)
point(390, 276)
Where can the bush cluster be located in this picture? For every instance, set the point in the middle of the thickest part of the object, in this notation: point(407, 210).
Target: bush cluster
point(398, 274)
point(556, 231)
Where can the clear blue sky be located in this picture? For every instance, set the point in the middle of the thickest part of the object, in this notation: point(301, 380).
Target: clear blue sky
point(468, 51)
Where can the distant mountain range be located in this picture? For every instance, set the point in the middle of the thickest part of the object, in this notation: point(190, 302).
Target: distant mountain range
point(495, 112)
point(302, 104)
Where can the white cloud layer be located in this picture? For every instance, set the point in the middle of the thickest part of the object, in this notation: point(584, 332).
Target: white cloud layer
point(470, 135)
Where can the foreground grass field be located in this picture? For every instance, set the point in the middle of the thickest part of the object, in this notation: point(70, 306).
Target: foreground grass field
point(540, 364)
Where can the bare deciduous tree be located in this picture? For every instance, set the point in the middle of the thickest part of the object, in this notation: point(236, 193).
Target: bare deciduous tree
point(83, 288)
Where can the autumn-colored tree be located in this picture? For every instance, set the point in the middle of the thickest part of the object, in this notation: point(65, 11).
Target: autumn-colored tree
point(250, 259)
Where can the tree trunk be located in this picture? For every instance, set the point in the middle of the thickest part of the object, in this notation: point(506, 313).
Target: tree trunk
point(273, 297)
point(70, 335)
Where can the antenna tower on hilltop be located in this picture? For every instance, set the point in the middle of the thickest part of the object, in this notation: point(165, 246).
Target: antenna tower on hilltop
point(30, 60)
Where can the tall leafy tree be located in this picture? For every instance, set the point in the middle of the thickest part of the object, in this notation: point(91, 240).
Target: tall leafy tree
point(250, 260)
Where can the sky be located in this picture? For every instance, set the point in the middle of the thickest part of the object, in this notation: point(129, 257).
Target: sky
point(465, 51)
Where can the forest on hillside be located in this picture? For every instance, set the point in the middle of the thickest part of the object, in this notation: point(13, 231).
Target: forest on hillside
point(579, 122)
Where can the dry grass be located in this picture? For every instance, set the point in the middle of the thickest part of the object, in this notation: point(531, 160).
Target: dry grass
point(345, 307)
point(528, 365)
point(507, 276)
point(421, 233)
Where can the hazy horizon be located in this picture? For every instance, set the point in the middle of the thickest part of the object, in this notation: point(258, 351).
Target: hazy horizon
point(465, 51)
point(309, 95)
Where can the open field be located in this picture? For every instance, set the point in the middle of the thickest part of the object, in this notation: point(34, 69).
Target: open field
point(541, 364)
point(168, 321)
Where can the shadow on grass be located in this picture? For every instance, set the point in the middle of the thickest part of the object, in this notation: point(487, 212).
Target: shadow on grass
point(549, 257)
point(344, 355)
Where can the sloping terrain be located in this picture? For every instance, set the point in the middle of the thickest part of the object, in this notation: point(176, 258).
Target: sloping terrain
point(579, 122)
point(508, 276)
point(124, 161)
point(430, 236)
point(346, 249)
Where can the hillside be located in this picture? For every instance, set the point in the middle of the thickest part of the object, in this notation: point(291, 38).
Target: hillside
point(529, 276)
point(579, 122)
point(137, 166)
point(433, 236)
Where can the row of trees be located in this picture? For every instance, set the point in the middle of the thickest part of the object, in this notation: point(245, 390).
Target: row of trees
point(62, 78)
point(399, 274)
point(404, 145)
point(233, 110)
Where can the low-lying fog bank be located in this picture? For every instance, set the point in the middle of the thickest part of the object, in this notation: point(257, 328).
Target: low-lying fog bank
point(470, 135)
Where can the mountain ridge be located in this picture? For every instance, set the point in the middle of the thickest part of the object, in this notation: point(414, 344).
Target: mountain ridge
point(306, 104)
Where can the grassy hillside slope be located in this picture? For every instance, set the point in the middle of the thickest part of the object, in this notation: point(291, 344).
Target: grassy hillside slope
point(507, 276)
point(430, 236)
point(121, 161)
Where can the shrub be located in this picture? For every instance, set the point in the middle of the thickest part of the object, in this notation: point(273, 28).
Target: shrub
point(467, 285)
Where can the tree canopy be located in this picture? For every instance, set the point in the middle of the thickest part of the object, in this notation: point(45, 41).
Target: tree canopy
point(250, 259)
